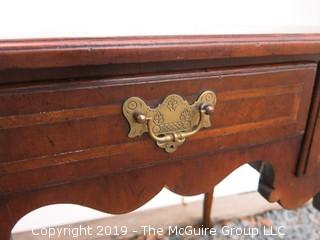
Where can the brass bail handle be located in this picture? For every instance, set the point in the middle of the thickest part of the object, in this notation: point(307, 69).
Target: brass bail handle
point(172, 121)
point(204, 109)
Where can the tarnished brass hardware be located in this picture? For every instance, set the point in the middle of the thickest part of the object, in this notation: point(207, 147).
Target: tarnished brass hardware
point(172, 121)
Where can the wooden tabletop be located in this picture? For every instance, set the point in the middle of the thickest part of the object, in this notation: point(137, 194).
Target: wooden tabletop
point(47, 53)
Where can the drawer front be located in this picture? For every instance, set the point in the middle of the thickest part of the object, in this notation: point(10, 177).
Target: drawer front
point(74, 130)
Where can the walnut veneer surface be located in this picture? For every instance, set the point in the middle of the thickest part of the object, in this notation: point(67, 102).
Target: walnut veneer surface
point(64, 139)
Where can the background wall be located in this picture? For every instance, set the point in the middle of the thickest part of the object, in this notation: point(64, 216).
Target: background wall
point(79, 18)
point(59, 18)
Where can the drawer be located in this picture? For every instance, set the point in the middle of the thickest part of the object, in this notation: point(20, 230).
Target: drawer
point(78, 127)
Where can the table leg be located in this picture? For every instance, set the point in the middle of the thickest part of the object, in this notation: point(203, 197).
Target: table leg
point(5, 222)
point(207, 204)
point(316, 201)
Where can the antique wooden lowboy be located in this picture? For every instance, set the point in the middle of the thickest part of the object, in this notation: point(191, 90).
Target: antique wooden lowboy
point(108, 122)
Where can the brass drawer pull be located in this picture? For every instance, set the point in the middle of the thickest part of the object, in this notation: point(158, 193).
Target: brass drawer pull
point(172, 121)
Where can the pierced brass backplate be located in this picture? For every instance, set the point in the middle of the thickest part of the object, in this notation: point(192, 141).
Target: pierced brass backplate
point(172, 121)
